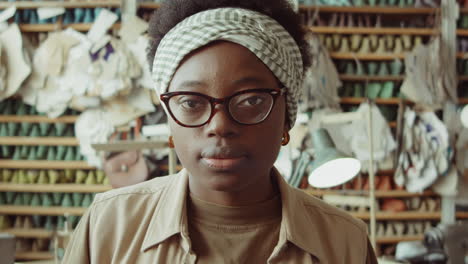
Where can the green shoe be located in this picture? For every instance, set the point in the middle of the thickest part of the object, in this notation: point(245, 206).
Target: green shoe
point(61, 222)
point(17, 153)
point(35, 200)
point(464, 21)
point(67, 200)
point(49, 223)
point(15, 178)
point(387, 90)
point(22, 177)
point(69, 156)
point(5, 222)
point(69, 131)
point(373, 90)
point(78, 155)
point(35, 131)
point(358, 90)
point(12, 129)
point(69, 176)
point(19, 199)
point(27, 198)
point(47, 200)
point(2, 199)
point(60, 153)
point(43, 178)
point(100, 175)
point(7, 175)
point(360, 69)
point(33, 176)
point(51, 154)
point(37, 221)
point(106, 181)
point(77, 199)
point(60, 129)
point(91, 178)
point(80, 177)
point(396, 67)
point(87, 200)
point(44, 129)
point(32, 153)
point(10, 197)
point(41, 152)
point(383, 69)
point(24, 152)
point(349, 68)
point(53, 176)
point(372, 68)
point(6, 151)
point(57, 198)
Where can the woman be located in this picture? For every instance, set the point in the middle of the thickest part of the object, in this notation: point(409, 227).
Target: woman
point(228, 73)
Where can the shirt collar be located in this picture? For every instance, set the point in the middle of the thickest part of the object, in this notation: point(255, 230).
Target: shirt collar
point(297, 225)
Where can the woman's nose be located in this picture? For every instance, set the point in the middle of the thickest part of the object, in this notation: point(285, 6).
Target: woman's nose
point(221, 124)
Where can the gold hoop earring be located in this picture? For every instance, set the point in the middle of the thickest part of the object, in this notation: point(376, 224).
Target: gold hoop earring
point(285, 139)
point(171, 142)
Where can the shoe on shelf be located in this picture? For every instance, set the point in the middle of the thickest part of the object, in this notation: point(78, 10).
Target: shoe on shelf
point(51, 153)
point(46, 200)
point(67, 200)
point(60, 154)
point(17, 153)
point(77, 199)
point(355, 42)
point(43, 178)
point(337, 41)
point(381, 48)
point(57, 198)
point(407, 43)
point(87, 200)
point(373, 90)
point(373, 43)
point(358, 90)
point(33, 176)
point(383, 69)
point(100, 176)
point(388, 90)
point(80, 177)
point(91, 178)
point(344, 47)
point(396, 67)
point(54, 176)
point(372, 67)
point(365, 46)
point(10, 197)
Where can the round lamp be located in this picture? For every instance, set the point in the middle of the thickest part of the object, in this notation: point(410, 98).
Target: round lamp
point(330, 167)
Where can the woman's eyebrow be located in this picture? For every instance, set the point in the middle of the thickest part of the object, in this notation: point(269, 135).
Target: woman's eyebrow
point(191, 84)
point(250, 80)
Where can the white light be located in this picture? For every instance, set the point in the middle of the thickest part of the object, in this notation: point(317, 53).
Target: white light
point(464, 116)
point(334, 173)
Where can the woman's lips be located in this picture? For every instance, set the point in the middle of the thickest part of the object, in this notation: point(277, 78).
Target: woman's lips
point(223, 163)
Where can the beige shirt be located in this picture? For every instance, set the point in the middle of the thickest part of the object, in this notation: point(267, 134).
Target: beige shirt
point(148, 223)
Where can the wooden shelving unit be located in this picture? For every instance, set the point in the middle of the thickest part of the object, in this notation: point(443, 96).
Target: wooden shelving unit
point(52, 27)
point(378, 194)
point(397, 239)
point(29, 233)
point(380, 101)
point(384, 10)
point(407, 215)
point(44, 164)
point(52, 188)
point(65, 4)
point(373, 30)
point(372, 78)
point(34, 256)
point(39, 210)
point(37, 141)
point(36, 119)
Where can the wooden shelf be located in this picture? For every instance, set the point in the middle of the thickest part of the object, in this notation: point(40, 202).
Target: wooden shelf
point(36, 119)
point(65, 4)
point(371, 9)
point(348, 77)
point(378, 194)
point(44, 164)
point(397, 239)
point(54, 27)
point(408, 215)
point(34, 256)
point(29, 233)
point(360, 100)
point(374, 30)
point(463, 100)
point(52, 188)
point(38, 210)
point(37, 141)
point(363, 56)
point(149, 5)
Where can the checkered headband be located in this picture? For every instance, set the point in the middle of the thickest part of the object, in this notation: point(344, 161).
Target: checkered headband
point(259, 33)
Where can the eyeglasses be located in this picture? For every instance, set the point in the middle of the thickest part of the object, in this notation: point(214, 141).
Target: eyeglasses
point(248, 107)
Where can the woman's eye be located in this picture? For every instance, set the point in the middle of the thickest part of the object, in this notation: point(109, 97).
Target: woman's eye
point(190, 104)
point(251, 101)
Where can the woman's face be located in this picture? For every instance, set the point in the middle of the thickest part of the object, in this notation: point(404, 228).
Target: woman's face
point(223, 155)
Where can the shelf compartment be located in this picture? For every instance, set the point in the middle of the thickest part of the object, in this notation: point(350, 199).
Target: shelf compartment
point(54, 188)
point(34, 255)
point(373, 30)
point(389, 10)
point(44, 164)
point(348, 77)
point(37, 141)
point(65, 4)
point(53, 27)
point(408, 215)
point(38, 210)
point(29, 233)
point(378, 194)
point(36, 119)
